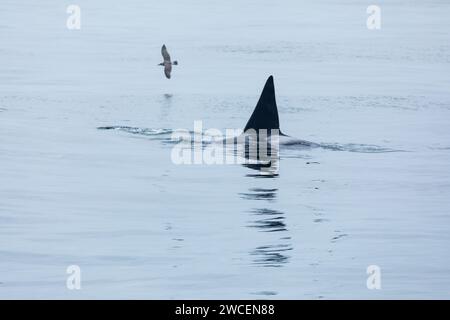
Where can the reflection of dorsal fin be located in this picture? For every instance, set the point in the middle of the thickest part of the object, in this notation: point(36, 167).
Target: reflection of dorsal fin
point(265, 115)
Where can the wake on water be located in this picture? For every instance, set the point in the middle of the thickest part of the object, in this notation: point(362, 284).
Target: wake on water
point(164, 135)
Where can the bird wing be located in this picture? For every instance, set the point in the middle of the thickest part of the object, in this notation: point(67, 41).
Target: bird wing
point(165, 54)
point(167, 69)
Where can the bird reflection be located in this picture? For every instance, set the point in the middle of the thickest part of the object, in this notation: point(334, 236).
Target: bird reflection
point(166, 106)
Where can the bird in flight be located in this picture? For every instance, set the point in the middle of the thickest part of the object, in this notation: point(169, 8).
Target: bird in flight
point(167, 62)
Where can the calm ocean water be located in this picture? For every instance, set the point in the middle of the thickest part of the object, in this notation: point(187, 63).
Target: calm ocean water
point(375, 191)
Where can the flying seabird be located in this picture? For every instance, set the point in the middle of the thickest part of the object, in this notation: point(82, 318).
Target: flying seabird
point(167, 63)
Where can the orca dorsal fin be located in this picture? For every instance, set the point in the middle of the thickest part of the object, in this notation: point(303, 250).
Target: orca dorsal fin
point(265, 115)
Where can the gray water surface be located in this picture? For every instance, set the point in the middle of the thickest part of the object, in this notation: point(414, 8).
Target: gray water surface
point(375, 190)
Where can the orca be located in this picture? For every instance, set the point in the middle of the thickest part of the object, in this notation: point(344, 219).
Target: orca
point(259, 141)
point(265, 116)
point(263, 135)
point(256, 146)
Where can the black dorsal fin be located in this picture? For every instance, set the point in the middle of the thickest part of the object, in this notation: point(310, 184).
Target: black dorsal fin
point(265, 115)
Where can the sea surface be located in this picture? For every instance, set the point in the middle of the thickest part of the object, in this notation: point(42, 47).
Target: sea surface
point(373, 189)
